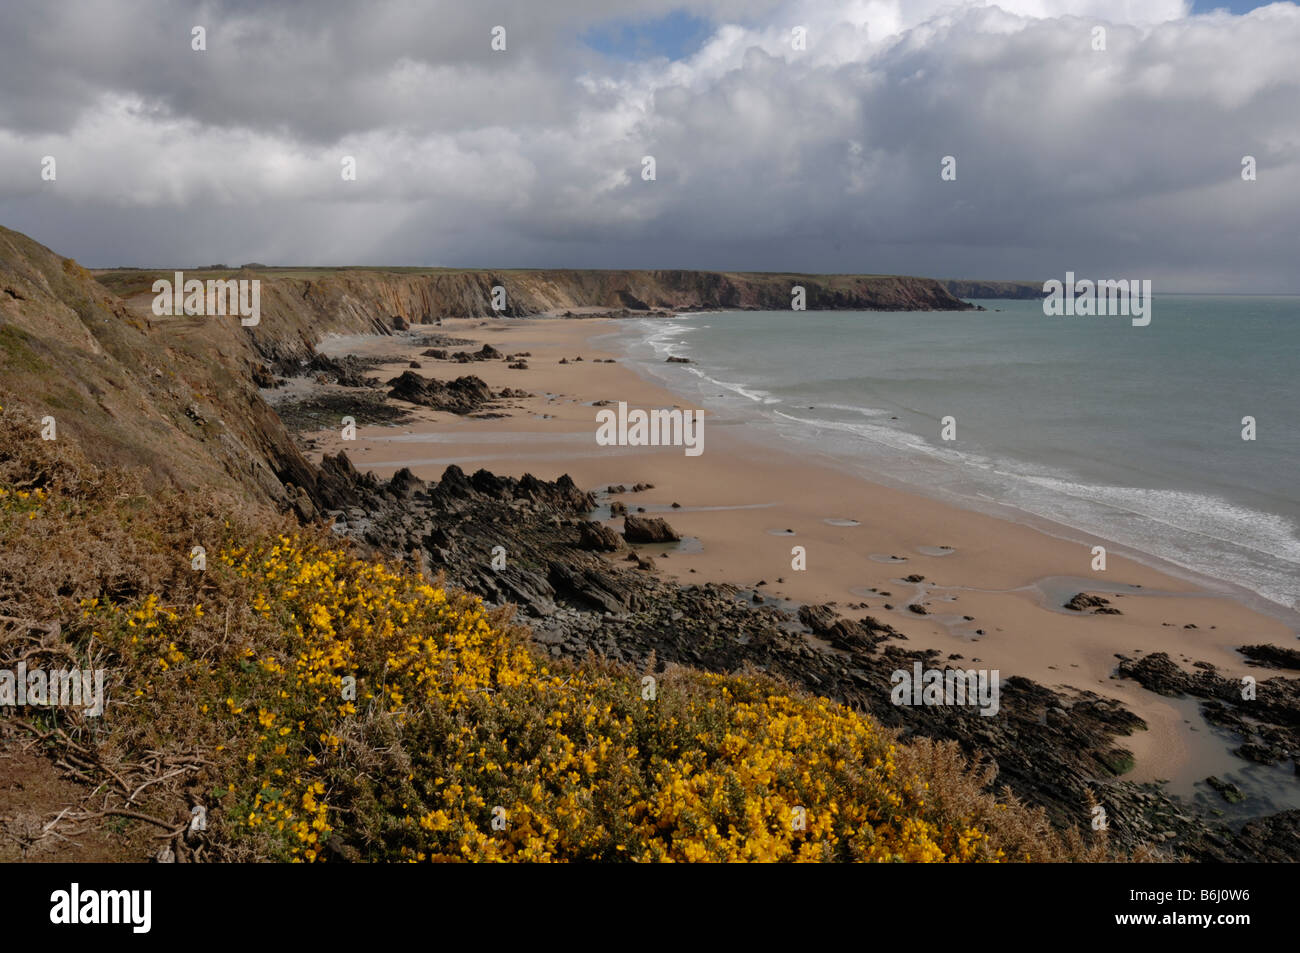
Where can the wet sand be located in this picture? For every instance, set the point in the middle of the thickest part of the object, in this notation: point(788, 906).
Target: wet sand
point(739, 498)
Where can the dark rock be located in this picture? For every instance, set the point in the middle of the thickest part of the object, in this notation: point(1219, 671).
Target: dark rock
point(597, 537)
point(648, 530)
point(263, 377)
point(347, 371)
point(1050, 746)
point(461, 396)
point(1272, 656)
point(1082, 601)
point(405, 484)
point(1258, 753)
point(1231, 793)
point(591, 586)
point(1268, 723)
point(844, 634)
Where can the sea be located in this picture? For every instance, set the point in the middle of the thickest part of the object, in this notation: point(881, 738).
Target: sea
point(1085, 425)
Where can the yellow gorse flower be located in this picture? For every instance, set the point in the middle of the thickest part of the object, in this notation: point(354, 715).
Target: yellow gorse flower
point(481, 749)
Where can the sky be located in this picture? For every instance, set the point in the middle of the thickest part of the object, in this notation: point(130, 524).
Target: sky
point(1103, 137)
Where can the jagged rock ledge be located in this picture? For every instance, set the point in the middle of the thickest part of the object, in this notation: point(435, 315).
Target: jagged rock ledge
point(1056, 749)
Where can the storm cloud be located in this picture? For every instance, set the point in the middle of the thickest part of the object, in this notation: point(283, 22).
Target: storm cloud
point(1124, 161)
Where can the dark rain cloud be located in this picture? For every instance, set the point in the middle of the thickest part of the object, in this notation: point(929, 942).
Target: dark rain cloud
point(1123, 162)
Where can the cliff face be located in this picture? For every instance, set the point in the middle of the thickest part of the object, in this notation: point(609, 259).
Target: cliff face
point(175, 397)
point(175, 394)
point(356, 300)
point(1022, 290)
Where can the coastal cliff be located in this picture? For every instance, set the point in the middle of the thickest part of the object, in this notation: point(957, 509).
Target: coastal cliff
point(1019, 290)
point(353, 299)
point(178, 395)
point(178, 399)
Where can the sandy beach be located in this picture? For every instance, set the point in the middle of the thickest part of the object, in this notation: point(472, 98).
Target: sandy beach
point(992, 589)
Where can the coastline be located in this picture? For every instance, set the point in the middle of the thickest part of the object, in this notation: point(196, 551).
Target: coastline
point(738, 498)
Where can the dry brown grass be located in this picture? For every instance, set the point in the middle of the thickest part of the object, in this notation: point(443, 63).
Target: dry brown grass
point(99, 536)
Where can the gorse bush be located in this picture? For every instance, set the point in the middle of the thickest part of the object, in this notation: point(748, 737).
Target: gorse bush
point(344, 707)
point(455, 722)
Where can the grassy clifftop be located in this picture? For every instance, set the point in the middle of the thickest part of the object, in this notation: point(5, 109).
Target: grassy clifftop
point(355, 296)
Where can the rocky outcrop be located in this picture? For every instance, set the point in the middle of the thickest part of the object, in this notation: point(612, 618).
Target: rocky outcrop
point(486, 353)
point(1082, 602)
point(1265, 716)
point(598, 538)
point(464, 395)
point(1061, 750)
point(637, 529)
point(1271, 840)
point(348, 370)
point(845, 634)
point(1274, 656)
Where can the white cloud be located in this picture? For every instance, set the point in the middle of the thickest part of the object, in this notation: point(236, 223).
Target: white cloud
point(1122, 161)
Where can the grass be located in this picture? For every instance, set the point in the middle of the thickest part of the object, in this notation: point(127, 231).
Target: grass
point(323, 704)
point(16, 351)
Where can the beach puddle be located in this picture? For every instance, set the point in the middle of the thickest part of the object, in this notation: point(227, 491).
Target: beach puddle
point(785, 607)
point(1268, 788)
point(957, 625)
point(887, 558)
point(841, 522)
point(686, 546)
point(781, 532)
point(1055, 591)
point(935, 550)
point(636, 506)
